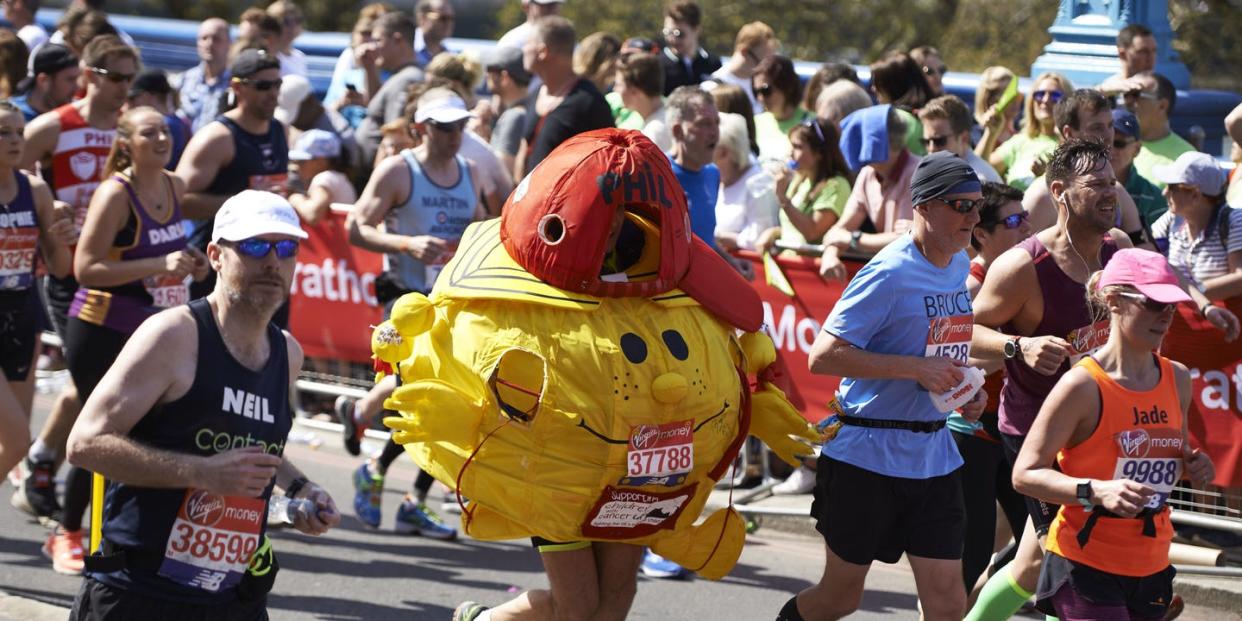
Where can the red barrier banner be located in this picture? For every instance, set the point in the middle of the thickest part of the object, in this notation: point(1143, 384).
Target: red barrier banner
point(1215, 420)
point(332, 303)
point(794, 322)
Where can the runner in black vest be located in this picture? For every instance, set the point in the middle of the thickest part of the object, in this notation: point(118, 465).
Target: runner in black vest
point(243, 149)
point(191, 456)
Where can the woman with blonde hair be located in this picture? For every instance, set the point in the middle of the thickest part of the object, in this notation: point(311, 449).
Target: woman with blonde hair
point(1016, 158)
point(596, 58)
point(997, 125)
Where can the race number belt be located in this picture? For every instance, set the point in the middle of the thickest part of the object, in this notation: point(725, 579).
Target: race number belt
point(212, 540)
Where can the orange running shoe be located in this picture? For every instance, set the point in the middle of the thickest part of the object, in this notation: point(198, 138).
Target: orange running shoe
point(64, 547)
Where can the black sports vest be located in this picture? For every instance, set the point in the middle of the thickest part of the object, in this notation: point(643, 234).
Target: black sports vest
point(227, 407)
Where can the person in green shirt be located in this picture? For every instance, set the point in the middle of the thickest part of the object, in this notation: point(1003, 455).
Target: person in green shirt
point(1147, 197)
point(1017, 157)
point(812, 198)
point(1153, 105)
point(779, 90)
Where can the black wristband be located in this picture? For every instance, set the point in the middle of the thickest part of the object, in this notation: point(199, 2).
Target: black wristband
point(296, 486)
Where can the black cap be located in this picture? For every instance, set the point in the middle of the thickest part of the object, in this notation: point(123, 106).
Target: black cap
point(639, 44)
point(941, 174)
point(250, 62)
point(152, 81)
point(51, 58)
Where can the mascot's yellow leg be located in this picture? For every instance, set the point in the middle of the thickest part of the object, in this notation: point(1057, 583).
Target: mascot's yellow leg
point(434, 411)
point(711, 548)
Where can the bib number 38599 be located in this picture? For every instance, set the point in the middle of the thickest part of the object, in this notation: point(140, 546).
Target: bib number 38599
point(212, 540)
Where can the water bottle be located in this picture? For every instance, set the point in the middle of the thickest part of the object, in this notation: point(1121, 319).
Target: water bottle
point(288, 510)
point(961, 394)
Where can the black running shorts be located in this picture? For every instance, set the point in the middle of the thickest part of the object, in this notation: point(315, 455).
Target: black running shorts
point(1042, 513)
point(99, 602)
point(865, 516)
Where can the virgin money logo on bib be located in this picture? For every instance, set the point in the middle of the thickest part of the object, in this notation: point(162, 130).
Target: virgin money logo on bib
point(204, 508)
point(949, 336)
point(1134, 442)
point(1085, 340)
point(84, 165)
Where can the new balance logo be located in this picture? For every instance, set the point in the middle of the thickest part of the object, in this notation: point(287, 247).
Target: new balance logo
point(245, 404)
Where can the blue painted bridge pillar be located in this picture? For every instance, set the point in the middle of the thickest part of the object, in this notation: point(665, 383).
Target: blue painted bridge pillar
point(1084, 40)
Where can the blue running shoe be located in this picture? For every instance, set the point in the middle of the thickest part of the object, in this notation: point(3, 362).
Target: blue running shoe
point(419, 519)
point(368, 495)
point(656, 566)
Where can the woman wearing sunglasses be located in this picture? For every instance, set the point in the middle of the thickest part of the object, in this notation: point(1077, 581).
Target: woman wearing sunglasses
point(779, 90)
point(986, 474)
point(1016, 158)
point(1115, 426)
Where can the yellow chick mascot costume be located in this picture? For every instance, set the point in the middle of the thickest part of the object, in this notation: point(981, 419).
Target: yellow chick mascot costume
point(576, 373)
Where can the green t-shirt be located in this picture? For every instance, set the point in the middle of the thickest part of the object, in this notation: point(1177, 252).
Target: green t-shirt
point(1160, 153)
point(1020, 153)
point(914, 132)
point(622, 116)
point(1147, 197)
point(773, 135)
point(833, 195)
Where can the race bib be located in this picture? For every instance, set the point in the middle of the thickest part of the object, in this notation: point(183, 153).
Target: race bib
point(275, 183)
point(950, 337)
point(1151, 457)
point(17, 257)
point(168, 291)
point(1085, 340)
point(212, 540)
point(660, 454)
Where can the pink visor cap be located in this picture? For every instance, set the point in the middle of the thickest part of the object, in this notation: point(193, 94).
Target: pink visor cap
point(1146, 271)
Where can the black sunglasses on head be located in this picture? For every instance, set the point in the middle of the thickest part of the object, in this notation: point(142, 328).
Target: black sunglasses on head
point(261, 85)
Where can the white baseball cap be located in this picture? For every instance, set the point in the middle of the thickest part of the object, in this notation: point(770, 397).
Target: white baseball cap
point(253, 213)
point(442, 106)
point(314, 144)
point(294, 89)
point(1193, 168)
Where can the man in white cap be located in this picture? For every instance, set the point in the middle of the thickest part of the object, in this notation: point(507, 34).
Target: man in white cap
point(300, 112)
point(179, 445)
point(426, 198)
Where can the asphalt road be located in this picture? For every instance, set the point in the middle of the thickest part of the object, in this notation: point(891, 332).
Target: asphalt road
point(356, 573)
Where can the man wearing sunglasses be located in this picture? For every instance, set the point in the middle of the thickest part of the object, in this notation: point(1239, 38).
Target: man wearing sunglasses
point(899, 334)
point(685, 63)
point(946, 127)
point(435, 19)
point(69, 145)
point(425, 197)
point(1031, 313)
point(192, 419)
point(244, 148)
point(1153, 104)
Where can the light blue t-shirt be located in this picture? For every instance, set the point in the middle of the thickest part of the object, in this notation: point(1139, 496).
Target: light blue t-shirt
point(900, 304)
point(702, 188)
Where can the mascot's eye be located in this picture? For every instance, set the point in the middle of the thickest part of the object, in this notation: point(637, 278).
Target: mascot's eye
point(676, 344)
point(634, 347)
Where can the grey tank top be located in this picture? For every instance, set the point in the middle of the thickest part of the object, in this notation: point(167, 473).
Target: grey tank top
point(431, 209)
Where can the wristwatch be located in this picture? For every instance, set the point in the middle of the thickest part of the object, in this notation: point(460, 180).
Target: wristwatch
point(1012, 349)
point(296, 486)
point(1084, 495)
point(854, 237)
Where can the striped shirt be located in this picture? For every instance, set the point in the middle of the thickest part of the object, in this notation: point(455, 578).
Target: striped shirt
point(1203, 257)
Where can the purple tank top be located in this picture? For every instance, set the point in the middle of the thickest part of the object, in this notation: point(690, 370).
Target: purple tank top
point(125, 307)
point(1066, 316)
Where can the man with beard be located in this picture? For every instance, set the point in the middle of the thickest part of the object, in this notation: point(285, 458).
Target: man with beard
point(179, 445)
point(242, 149)
point(1032, 312)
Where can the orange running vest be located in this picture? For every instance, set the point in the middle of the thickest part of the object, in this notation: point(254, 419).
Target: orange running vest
point(1139, 437)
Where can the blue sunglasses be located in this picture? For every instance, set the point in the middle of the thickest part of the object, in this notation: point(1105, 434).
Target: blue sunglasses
point(259, 248)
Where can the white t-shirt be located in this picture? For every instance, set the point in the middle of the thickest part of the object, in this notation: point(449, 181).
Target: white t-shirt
point(982, 168)
point(722, 76)
point(338, 186)
point(656, 128)
point(293, 63)
point(493, 178)
point(748, 207)
point(516, 37)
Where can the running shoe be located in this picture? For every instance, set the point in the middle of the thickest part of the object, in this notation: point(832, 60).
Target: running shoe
point(64, 548)
point(37, 493)
point(368, 495)
point(449, 505)
point(351, 432)
point(656, 566)
point(802, 481)
point(419, 519)
point(468, 611)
